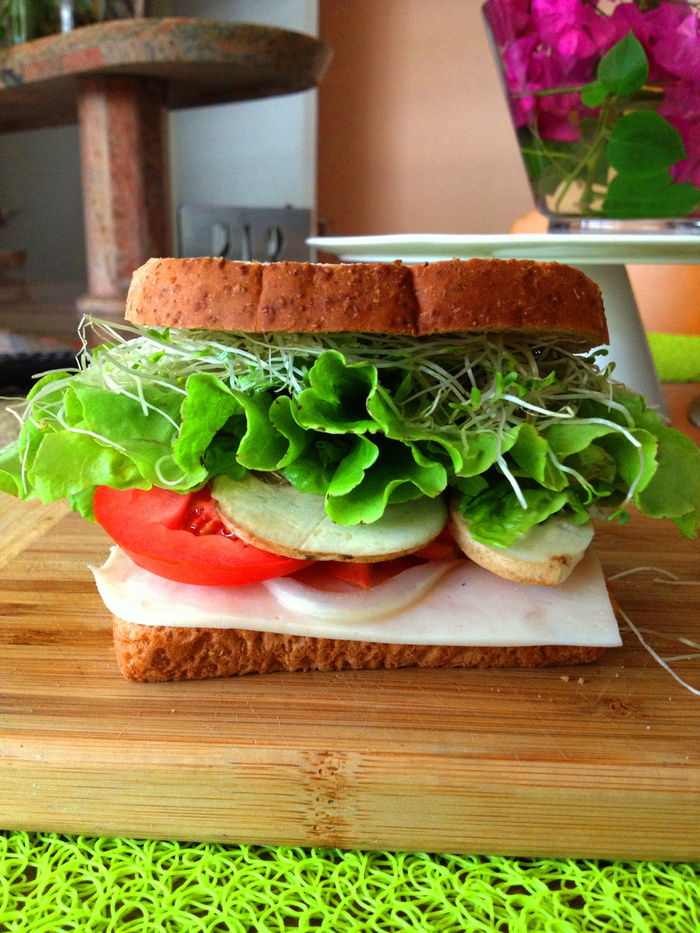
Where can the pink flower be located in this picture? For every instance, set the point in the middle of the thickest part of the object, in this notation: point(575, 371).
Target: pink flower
point(571, 28)
point(508, 20)
point(681, 107)
point(677, 49)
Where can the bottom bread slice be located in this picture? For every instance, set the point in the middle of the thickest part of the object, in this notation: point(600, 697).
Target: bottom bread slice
point(161, 652)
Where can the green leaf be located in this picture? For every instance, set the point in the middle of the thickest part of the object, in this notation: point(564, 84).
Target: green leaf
point(530, 453)
point(220, 457)
point(144, 429)
point(632, 461)
point(688, 523)
point(10, 471)
point(72, 407)
point(674, 489)
point(314, 469)
point(82, 503)
point(298, 439)
point(351, 470)
point(126, 416)
point(336, 400)
point(624, 69)
point(388, 420)
point(45, 381)
point(595, 465)
point(262, 447)
point(495, 516)
point(567, 439)
point(30, 437)
point(66, 464)
point(470, 486)
point(207, 408)
point(652, 196)
point(594, 94)
point(399, 474)
point(643, 143)
point(482, 450)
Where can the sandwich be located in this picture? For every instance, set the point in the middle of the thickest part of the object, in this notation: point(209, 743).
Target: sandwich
point(351, 466)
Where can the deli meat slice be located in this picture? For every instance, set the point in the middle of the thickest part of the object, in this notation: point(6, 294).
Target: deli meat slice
point(461, 604)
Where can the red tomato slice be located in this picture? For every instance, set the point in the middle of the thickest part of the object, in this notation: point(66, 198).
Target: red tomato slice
point(180, 538)
point(441, 548)
point(367, 576)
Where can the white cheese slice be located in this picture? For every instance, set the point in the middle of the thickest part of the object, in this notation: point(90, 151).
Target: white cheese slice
point(467, 605)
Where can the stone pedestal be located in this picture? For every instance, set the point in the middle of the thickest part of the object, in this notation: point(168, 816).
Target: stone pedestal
point(124, 152)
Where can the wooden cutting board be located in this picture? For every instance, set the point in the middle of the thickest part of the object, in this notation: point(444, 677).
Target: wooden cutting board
point(594, 761)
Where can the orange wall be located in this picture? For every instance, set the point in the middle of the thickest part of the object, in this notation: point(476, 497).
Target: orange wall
point(414, 135)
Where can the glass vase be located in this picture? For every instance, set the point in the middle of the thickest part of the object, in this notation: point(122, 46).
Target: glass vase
point(14, 22)
point(75, 13)
point(605, 101)
point(24, 20)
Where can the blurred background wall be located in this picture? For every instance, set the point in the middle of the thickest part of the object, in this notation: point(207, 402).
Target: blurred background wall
point(414, 134)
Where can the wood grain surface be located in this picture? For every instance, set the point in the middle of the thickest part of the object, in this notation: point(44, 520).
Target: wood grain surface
point(595, 761)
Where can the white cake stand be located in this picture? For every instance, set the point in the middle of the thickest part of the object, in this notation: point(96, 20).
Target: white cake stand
point(601, 257)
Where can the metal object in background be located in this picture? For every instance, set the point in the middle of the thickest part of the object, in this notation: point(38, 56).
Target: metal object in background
point(264, 234)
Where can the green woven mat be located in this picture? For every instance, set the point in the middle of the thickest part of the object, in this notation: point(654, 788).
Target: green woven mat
point(676, 356)
point(51, 883)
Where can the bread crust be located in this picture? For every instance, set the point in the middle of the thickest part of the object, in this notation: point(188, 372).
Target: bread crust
point(489, 295)
point(161, 652)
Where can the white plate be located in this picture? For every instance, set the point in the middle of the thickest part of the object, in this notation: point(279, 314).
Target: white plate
point(574, 248)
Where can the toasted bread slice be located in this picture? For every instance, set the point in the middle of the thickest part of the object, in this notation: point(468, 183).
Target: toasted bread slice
point(475, 295)
point(161, 652)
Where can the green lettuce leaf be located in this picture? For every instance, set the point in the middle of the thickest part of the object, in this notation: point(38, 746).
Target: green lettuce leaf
point(82, 503)
point(11, 471)
point(531, 453)
point(672, 489)
point(67, 464)
point(314, 469)
point(496, 517)
point(397, 473)
point(351, 470)
point(220, 458)
point(229, 431)
point(336, 400)
point(296, 437)
point(262, 446)
point(596, 466)
point(445, 446)
point(209, 406)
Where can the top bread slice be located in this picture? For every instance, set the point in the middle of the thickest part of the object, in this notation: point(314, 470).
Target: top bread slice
point(475, 295)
